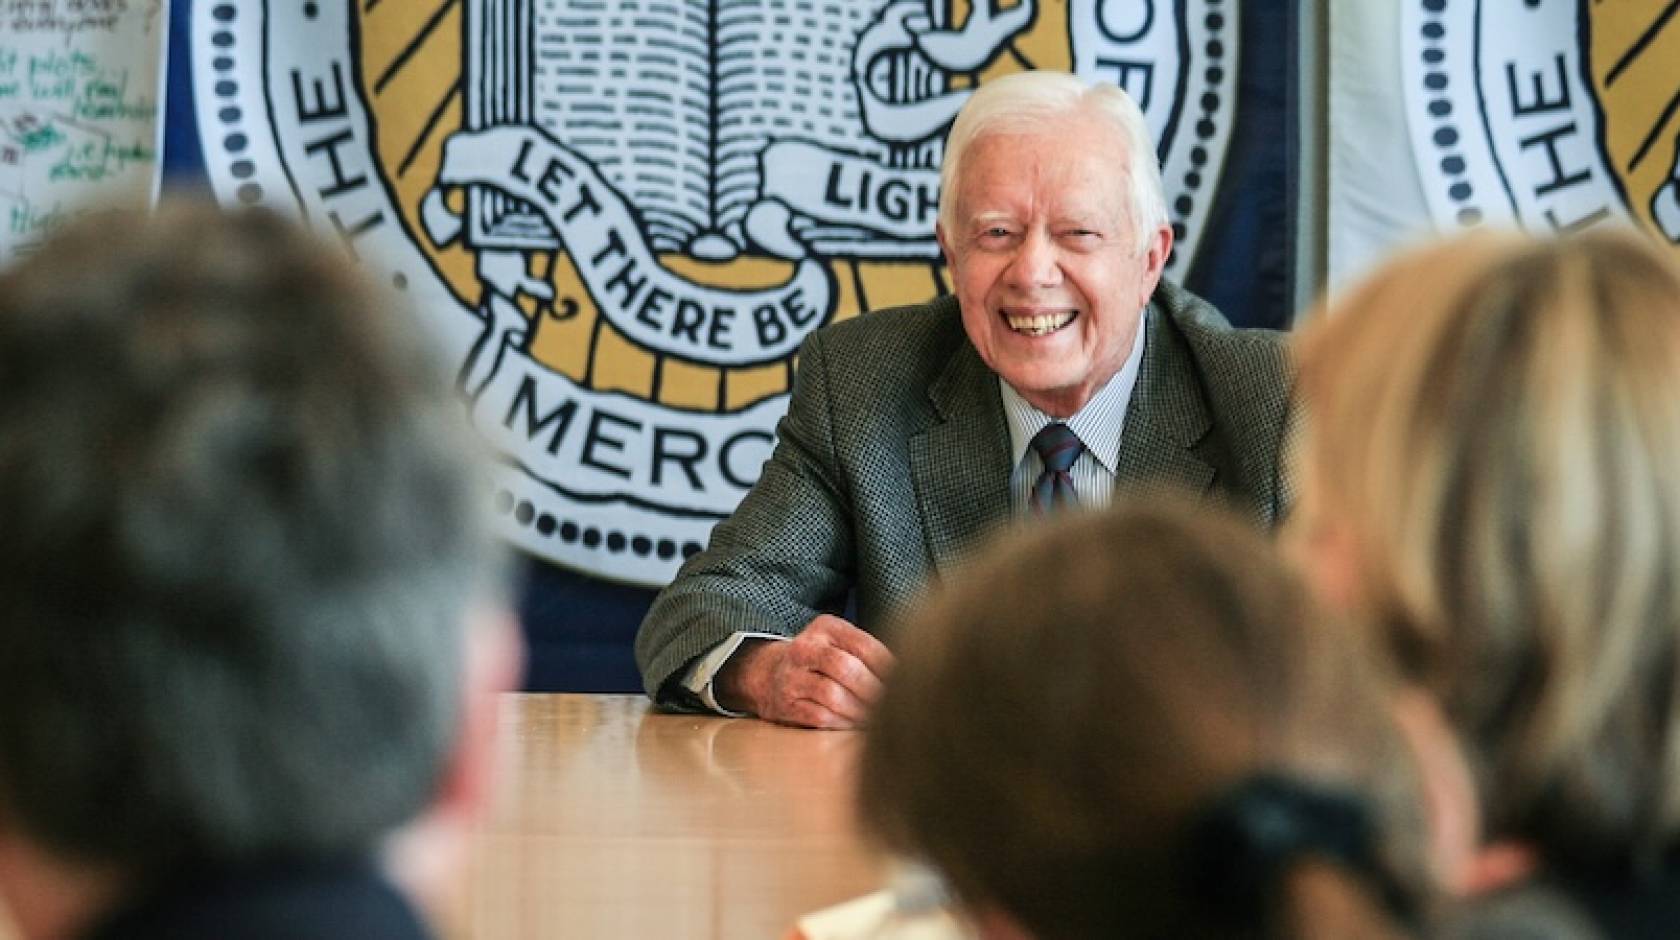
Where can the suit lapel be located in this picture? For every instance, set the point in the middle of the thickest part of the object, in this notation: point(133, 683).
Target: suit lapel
point(1167, 416)
point(960, 466)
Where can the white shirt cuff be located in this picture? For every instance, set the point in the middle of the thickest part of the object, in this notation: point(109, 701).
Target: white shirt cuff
point(705, 669)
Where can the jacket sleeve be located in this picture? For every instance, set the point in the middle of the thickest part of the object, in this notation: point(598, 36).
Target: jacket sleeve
point(786, 554)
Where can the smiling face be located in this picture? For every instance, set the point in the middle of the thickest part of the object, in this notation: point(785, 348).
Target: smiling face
point(1045, 260)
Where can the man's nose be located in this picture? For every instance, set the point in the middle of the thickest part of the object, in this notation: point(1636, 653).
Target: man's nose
point(1036, 263)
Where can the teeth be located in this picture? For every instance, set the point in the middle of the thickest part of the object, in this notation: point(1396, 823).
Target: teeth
point(1041, 324)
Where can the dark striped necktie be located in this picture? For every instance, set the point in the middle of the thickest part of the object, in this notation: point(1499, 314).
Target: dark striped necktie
point(1058, 447)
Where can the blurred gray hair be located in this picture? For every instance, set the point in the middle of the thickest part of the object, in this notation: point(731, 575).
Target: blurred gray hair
point(244, 523)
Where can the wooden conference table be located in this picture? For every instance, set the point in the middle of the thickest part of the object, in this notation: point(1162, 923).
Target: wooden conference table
point(620, 822)
point(617, 822)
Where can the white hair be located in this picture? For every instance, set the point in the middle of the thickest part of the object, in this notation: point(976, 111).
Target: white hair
point(1024, 101)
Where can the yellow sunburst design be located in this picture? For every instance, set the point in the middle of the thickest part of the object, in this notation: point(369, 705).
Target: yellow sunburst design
point(1634, 52)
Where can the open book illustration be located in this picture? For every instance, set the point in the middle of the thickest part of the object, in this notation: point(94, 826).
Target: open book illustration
point(673, 101)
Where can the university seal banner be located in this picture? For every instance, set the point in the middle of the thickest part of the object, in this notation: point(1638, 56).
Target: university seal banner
point(621, 218)
point(1551, 114)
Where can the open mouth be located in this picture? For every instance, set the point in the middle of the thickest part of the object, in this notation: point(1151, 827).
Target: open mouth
point(1040, 324)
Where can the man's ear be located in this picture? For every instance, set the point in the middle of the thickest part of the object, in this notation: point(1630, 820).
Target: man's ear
point(1155, 256)
point(944, 239)
point(495, 660)
point(426, 856)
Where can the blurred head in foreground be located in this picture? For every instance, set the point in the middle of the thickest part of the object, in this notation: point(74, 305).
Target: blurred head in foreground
point(1091, 740)
point(1490, 475)
point(249, 611)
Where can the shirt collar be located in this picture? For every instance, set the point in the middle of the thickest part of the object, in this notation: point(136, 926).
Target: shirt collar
point(1099, 424)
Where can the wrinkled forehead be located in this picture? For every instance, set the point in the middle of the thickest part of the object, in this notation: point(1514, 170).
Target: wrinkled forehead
point(1065, 170)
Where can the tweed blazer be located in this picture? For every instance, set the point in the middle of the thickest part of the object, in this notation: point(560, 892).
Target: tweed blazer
point(893, 463)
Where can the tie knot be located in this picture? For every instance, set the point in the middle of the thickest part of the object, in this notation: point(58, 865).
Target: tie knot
point(1057, 446)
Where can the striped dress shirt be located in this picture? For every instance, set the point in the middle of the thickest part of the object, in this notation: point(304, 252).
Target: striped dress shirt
point(1099, 425)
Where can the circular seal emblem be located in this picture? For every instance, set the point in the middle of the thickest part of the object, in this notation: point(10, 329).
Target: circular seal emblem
point(621, 219)
point(1553, 115)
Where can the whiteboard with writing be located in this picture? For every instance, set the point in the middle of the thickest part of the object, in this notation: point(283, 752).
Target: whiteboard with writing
point(80, 111)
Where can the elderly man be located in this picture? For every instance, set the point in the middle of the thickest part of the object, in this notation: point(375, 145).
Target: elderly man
point(250, 626)
point(1062, 368)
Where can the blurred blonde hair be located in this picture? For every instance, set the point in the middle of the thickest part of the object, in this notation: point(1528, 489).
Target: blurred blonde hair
point(1494, 423)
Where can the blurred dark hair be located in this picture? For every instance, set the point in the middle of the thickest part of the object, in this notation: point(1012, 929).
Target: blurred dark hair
point(1068, 717)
